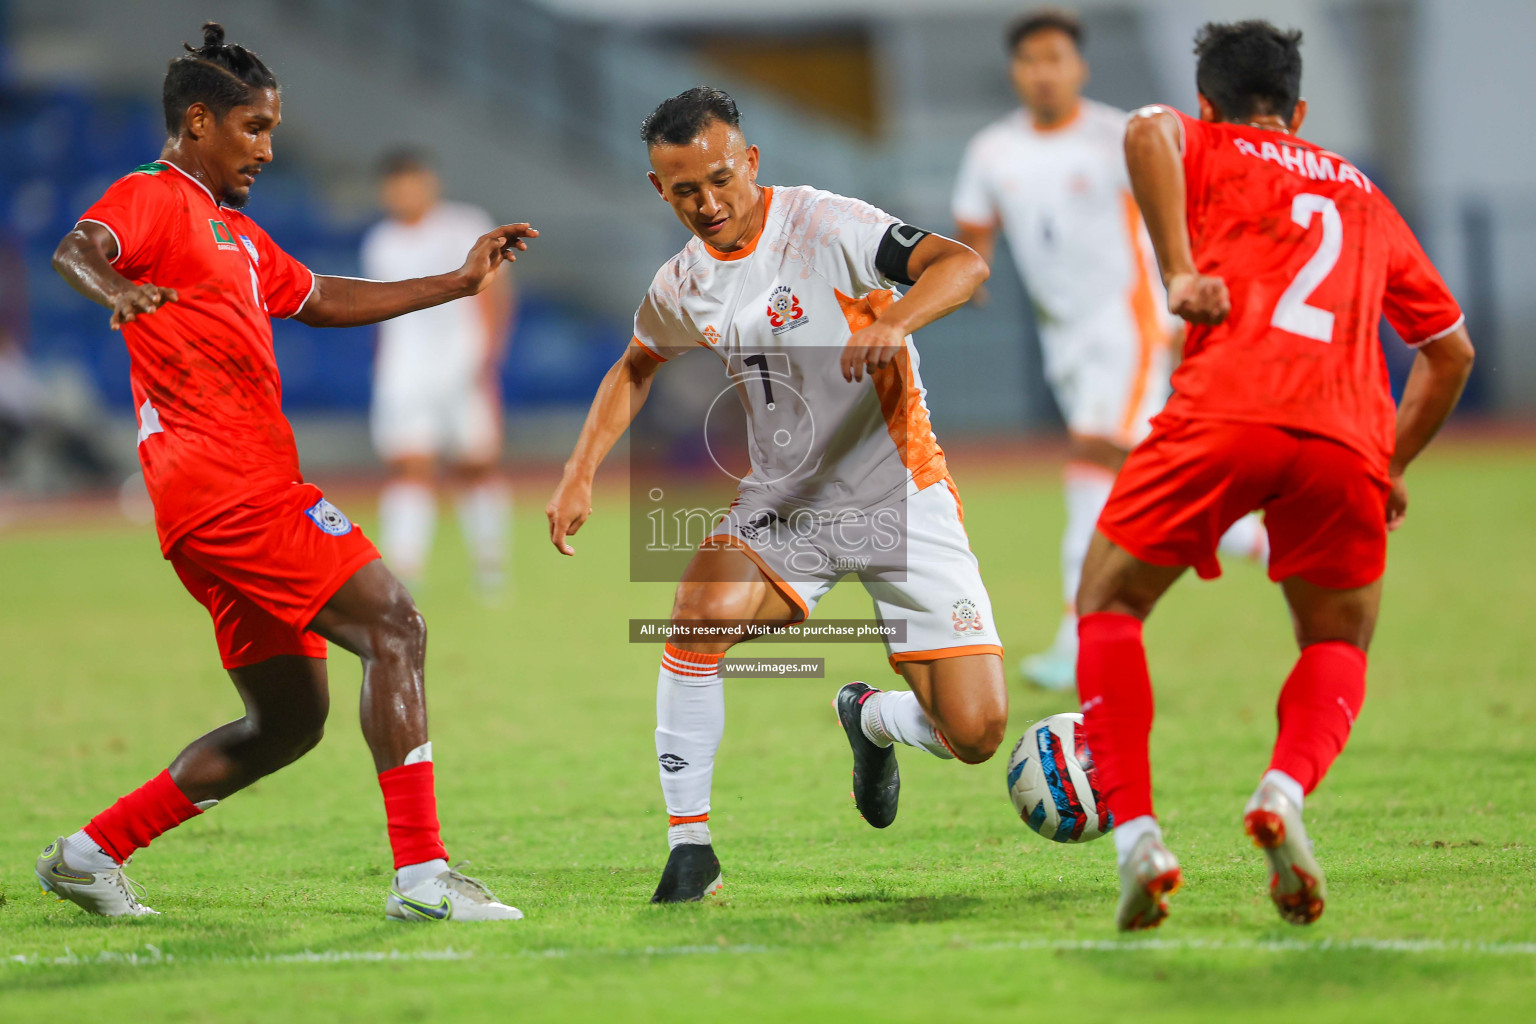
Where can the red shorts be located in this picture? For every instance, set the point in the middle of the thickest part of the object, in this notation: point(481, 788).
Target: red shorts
point(1325, 505)
point(265, 568)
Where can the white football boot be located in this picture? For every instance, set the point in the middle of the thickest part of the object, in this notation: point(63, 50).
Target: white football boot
point(446, 896)
point(108, 893)
point(1148, 876)
point(1296, 882)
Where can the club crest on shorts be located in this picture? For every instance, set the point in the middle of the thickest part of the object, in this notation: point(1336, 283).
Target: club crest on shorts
point(329, 518)
point(966, 618)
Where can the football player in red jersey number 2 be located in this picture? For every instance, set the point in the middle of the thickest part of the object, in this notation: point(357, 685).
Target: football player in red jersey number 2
point(1282, 257)
point(192, 283)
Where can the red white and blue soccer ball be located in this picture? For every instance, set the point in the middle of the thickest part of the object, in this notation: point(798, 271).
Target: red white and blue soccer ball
point(1053, 784)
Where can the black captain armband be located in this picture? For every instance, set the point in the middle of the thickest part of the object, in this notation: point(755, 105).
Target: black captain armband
point(896, 249)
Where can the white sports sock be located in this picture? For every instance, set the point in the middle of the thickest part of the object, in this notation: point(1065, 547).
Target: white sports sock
point(1086, 488)
point(690, 720)
point(412, 875)
point(1288, 785)
point(1128, 834)
point(1248, 539)
point(407, 520)
point(903, 719)
point(693, 832)
point(484, 511)
point(81, 852)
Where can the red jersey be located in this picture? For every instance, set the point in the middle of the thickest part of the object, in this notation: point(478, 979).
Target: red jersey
point(211, 427)
point(1313, 254)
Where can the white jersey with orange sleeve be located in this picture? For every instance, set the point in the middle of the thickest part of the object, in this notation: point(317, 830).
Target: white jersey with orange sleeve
point(846, 477)
point(1062, 198)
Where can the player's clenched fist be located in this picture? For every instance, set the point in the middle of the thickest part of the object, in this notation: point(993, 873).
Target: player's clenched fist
point(875, 346)
point(567, 511)
point(491, 250)
point(1198, 298)
point(140, 300)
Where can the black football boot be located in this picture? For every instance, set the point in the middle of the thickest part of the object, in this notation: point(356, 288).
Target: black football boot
point(876, 780)
point(692, 872)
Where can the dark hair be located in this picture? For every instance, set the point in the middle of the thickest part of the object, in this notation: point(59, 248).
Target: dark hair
point(221, 75)
point(1248, 69)
point(1043, 20)
point(404, 160)
point(679, 120)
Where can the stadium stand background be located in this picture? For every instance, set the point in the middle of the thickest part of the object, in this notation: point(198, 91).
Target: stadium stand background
point(533, 108)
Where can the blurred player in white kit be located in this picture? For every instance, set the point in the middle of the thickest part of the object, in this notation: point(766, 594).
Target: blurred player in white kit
point(435, 391)
point(1052, 177)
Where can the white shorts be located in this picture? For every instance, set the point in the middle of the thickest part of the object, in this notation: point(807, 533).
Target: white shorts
point(1109, 375)
point(453, 419)
point(915, 562)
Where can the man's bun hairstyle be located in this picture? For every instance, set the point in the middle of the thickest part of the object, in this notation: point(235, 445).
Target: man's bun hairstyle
point(679, 120)
point(220, 75)
point(1249, 69)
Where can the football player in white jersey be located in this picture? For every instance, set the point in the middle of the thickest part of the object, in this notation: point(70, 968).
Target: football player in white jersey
point(435, 389)
point(1052, 177)
point(794, 290)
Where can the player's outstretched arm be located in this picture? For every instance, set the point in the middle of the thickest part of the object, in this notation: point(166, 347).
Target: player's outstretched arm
point(1153, 158)
point(84, 259)
point(619, 397)
point(352, 302)
point(944, 274)
point(1439, 373)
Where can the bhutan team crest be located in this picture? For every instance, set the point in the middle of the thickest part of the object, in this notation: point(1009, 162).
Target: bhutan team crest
point(784, 312)
point(966, 618)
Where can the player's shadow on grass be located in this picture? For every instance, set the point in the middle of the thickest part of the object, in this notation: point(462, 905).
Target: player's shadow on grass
point(889, 908)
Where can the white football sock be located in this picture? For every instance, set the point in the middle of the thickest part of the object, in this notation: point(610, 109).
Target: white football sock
point(1128, 834)
point(692, 832)
point(1287, 785)
point(484, 511)
point(903, 719)
point(407, 520)
point(690, 720)
point(1086, 488)
point(412, 875)
point(81, 852)
point(1248, 539)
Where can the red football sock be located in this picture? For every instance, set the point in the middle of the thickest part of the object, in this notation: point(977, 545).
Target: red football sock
point(410, 805)
point(1116, 694)
point(134, 821)
point(1317, 707)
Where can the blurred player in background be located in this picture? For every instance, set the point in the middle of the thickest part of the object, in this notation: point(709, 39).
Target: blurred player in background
point(1283, 258)
point(436, 387)
point(794, 290)
point(193, 285)
point(1052, 177)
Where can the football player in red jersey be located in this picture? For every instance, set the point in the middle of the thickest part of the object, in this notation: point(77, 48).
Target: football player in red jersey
point(1282, 257)
point(192, 283)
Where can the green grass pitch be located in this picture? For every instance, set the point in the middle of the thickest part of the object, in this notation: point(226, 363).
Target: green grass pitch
point(542, 716)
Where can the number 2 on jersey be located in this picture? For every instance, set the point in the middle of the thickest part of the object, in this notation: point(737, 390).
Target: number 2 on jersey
point(1292, 313)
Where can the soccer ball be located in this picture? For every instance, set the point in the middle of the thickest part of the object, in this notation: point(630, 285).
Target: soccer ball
point(1052, 782)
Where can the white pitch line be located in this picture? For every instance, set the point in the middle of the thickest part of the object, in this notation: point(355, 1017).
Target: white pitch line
point(154, 956)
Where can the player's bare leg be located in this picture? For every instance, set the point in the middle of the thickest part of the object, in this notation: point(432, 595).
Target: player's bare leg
point(286, 701)
point(485, 511)
point(1118, 592)
point(372, 615)
point(1317, 708)
point(408, 515)
point(721, 585)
